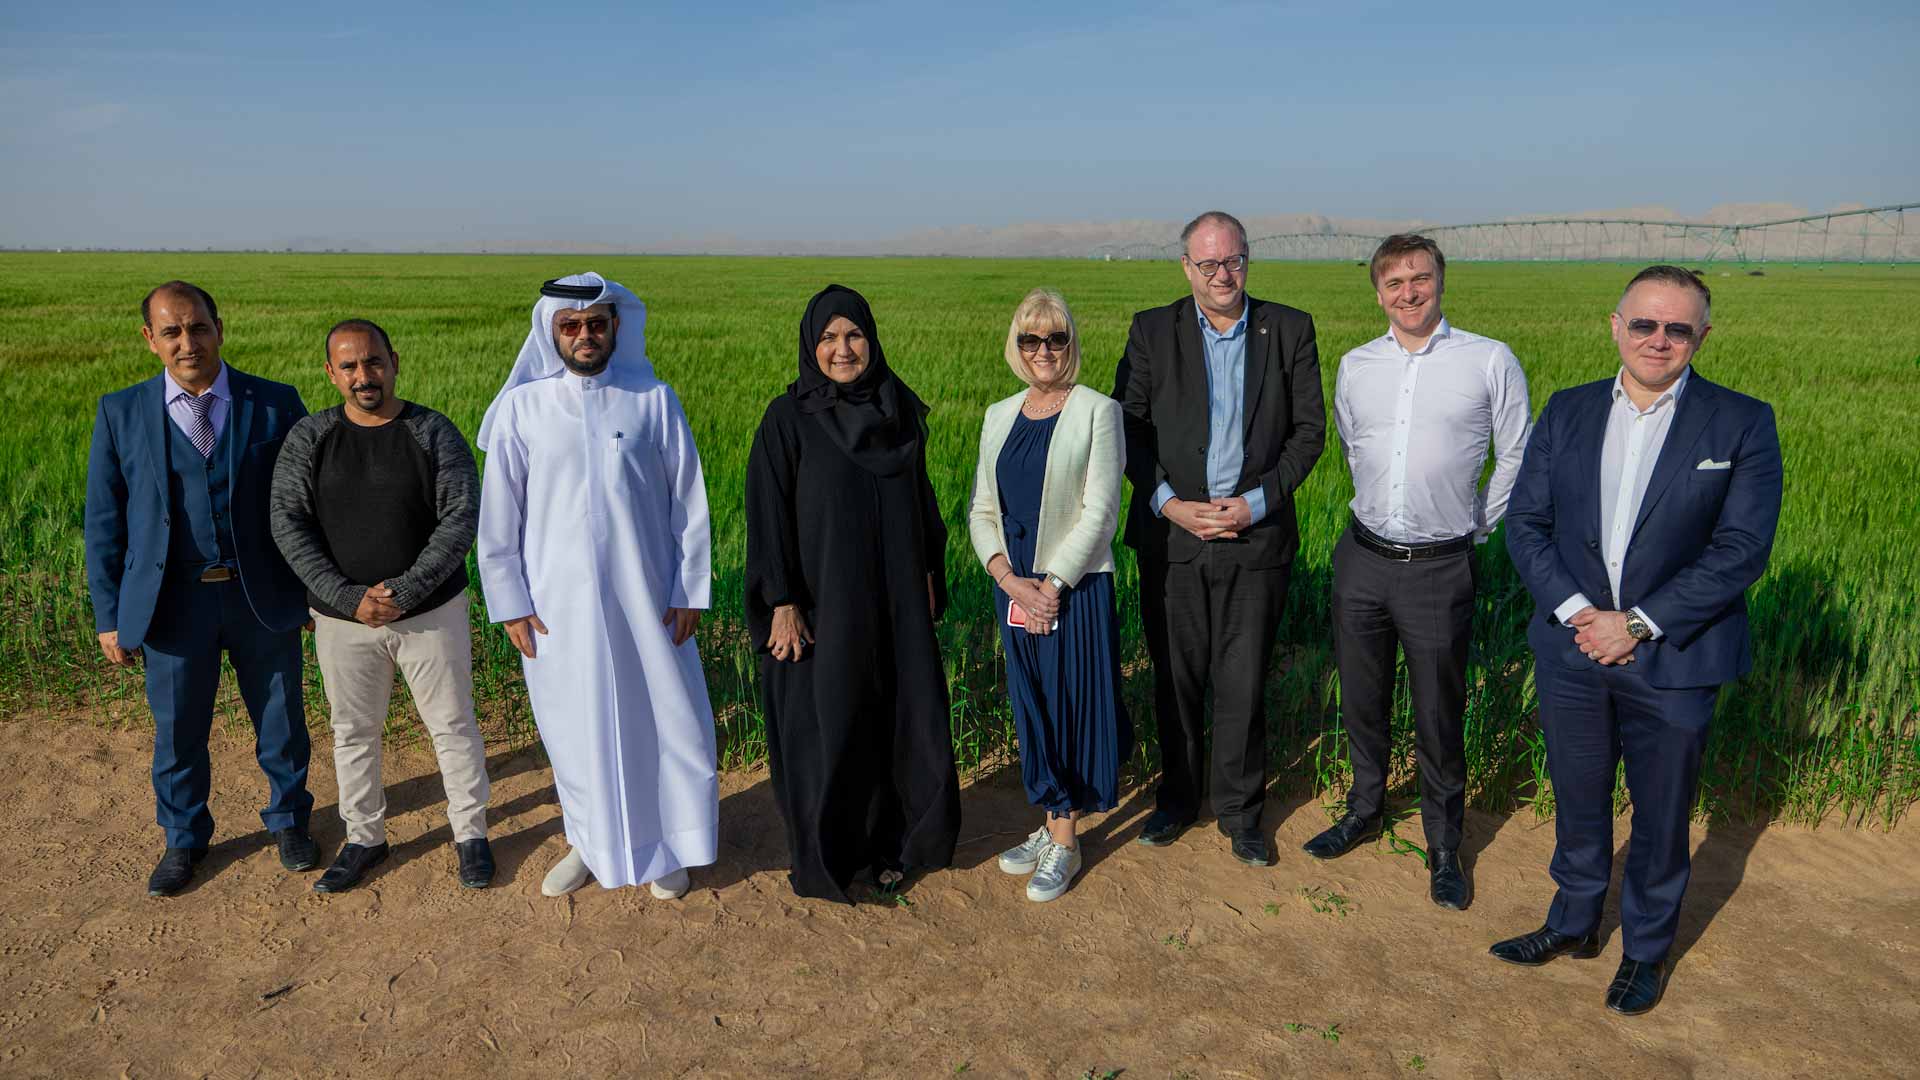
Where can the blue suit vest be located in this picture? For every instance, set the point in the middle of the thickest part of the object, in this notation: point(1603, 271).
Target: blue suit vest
point(201, 533)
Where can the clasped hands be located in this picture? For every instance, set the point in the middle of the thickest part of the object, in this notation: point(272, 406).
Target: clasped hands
point(377, 608)
point(1213, 519)
point(1602, 635)
point(1036, 596)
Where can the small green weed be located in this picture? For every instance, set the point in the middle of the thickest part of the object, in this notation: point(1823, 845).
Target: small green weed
point(1326, 901)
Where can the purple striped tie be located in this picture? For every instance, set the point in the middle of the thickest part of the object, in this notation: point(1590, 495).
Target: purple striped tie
point(202, 430)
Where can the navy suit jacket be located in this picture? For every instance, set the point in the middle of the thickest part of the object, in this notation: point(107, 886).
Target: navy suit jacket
point(128, 523)
point(1702, 537)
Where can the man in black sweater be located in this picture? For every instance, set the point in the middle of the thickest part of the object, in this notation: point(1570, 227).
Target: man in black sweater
point(375, 503)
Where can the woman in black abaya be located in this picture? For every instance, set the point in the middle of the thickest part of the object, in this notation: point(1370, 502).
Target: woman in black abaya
point(846, 574)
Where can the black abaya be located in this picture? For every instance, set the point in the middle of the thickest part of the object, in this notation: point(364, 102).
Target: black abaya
point(858, 738)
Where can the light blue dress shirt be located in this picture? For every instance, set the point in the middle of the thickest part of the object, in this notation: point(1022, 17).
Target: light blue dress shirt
point(1226, 404)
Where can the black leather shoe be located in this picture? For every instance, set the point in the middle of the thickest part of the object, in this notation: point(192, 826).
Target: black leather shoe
point(1249, 847)
point(1345, 835)
point(175, 870)
point(476, 863)
point(1532, 950)
point(1162, 828)
point(349, 867)
point(297, 849)
point(1447, 883)
point(1636, 987)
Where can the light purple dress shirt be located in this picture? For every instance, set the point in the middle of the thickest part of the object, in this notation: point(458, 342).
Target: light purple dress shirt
point(182, 413)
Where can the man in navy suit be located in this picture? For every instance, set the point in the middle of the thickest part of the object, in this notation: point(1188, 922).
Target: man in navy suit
point(182, 566)
point(1645, 507)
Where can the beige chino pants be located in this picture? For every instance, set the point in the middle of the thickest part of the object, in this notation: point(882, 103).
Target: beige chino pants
point(434, 650)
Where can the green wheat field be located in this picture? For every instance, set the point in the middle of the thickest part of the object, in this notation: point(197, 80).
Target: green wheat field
point(1826, 727)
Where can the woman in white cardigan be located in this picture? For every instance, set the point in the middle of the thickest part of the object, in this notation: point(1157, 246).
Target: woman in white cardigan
point(1046, 497)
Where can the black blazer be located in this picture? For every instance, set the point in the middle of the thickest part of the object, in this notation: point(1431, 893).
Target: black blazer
point(1162, 388)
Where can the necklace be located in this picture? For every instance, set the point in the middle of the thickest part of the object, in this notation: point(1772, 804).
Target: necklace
point(1046, 410)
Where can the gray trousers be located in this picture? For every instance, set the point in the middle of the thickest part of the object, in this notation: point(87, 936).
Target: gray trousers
point(434, 651)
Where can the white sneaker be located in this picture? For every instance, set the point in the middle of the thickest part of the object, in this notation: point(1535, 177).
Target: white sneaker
point(567, 875)
point(1056, 871)
point(1024, 857)
point(671, 886)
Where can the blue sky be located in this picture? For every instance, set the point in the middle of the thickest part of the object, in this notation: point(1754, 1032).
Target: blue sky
point(639, 126)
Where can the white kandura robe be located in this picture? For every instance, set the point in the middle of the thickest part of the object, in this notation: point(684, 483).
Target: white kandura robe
point(593, 516)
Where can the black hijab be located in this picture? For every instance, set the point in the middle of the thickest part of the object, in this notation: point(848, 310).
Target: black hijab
point(876, 420)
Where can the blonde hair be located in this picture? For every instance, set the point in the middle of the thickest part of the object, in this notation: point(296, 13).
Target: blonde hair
point(1041, 312)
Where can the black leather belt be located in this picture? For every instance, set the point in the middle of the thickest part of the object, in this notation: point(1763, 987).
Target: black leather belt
point(1398, 552)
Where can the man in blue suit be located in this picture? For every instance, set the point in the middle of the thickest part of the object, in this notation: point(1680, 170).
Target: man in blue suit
point(1645, 507)
point(182, 566)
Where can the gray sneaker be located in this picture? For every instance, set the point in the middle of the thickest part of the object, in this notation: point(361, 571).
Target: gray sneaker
point(1022, 859)
point(1058, 865)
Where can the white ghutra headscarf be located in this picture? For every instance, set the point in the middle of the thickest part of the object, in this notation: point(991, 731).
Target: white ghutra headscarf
point(539, 359)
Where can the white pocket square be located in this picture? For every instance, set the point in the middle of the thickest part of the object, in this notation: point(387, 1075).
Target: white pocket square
point(1709, 463)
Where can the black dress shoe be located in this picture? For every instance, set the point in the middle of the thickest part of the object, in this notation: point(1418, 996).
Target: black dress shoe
point(476, 863)
point(175, 870)
point(1162, 828)
point(349, 867)
point(1249, 847)
point(297, 849)
point(1532, 950)
point(1636, 987)
point(1447, 884)
point(1345, 835)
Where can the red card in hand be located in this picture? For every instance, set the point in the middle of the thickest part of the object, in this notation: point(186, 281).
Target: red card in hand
point(1017, 618)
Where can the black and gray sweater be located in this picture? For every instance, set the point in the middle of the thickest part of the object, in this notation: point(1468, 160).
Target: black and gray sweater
point(357, 506)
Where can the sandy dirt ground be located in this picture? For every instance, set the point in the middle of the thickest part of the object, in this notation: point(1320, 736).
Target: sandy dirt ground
point(1799, 952)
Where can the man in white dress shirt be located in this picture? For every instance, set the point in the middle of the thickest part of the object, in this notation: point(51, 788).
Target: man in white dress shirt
point(593, 550)
point(1417, 409)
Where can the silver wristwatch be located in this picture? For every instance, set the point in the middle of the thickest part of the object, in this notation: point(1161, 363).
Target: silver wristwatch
point(1638, 627)
point(1059, 583)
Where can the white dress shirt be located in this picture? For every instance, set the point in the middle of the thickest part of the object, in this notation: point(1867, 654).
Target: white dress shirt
point(1416, 427)
point(1633, 442)
point(181, 413)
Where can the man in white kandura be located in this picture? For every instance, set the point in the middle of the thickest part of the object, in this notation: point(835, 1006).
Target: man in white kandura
point(594, 552)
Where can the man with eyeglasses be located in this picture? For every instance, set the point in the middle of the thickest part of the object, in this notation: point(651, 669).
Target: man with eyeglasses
point(1645, 508)
point(1417, 409)
point(1224, 419)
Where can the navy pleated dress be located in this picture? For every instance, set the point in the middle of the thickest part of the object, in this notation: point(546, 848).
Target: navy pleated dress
point(1067, 711)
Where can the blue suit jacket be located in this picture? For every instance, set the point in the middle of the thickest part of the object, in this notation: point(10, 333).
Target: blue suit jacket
point(128, 520)
point(1702, 537)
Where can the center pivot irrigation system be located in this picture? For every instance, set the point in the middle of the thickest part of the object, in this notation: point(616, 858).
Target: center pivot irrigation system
point(1875, 235)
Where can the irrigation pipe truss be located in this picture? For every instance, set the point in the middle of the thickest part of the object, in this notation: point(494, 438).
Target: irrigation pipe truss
point(1875, 235)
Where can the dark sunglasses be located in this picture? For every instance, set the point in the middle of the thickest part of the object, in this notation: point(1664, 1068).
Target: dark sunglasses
point(574, 327)
point(1056, 341)
point(1677, 332)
